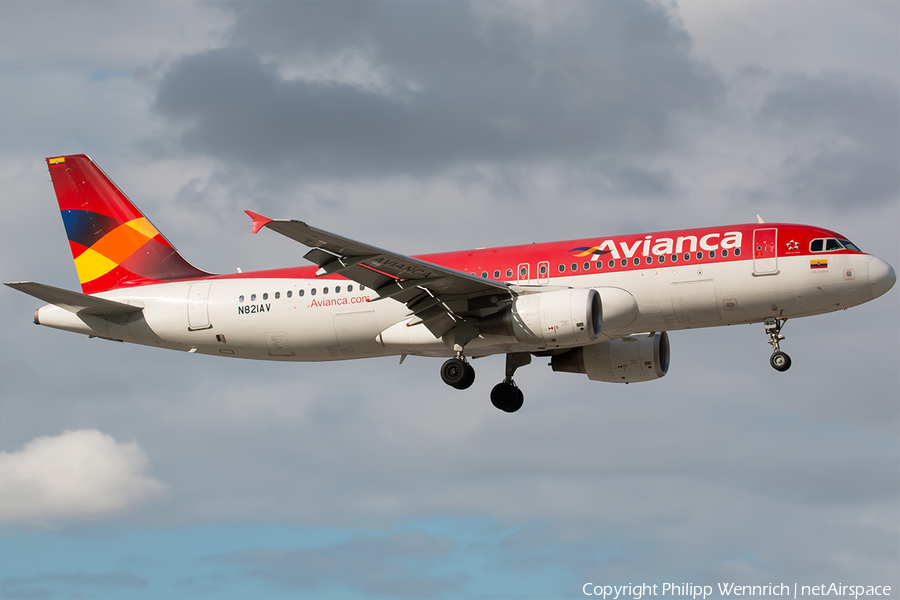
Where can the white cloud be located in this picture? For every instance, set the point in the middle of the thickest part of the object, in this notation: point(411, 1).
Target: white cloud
point(78, 474)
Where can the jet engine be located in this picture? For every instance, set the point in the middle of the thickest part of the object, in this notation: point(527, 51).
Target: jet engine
point(629, 359)
point(552, 319)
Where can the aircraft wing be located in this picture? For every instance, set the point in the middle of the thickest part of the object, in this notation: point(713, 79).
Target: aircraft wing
point(74, 301)
point(438, 296)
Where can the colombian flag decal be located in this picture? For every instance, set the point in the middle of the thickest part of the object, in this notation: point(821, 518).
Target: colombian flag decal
point(57, 161)
point(818, 263)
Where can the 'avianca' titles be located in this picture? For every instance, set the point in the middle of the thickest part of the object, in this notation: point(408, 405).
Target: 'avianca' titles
point(600, 307)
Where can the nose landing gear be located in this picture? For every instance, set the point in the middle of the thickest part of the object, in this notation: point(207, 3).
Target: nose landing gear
point(779, 360)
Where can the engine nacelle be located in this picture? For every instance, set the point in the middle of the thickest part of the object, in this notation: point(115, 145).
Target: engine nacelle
point(619, 309)
point(626, 360)
point(549, 319)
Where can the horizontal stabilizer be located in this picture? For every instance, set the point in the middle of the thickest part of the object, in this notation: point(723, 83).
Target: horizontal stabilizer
point(74, 301)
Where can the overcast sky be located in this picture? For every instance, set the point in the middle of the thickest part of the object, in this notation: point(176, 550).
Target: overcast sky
point(435, 126)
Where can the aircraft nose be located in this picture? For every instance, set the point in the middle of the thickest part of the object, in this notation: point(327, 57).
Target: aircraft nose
point(881, 276)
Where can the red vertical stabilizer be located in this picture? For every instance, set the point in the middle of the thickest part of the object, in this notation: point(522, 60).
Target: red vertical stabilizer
point(113, 243)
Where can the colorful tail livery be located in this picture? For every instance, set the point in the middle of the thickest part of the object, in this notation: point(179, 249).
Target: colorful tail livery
point(113, 244)
point(600, 307)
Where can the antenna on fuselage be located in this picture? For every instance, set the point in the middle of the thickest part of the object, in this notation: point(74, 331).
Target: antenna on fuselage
point(759, 219)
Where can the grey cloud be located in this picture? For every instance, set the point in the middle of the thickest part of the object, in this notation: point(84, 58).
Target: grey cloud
point(857, 121)
point(46, 585)
point(391, 565)
point(479, 88)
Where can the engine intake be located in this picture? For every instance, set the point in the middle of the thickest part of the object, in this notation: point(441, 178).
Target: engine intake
point(550, 319)
point(626, 360)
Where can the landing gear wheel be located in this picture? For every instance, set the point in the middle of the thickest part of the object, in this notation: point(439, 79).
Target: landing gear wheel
point(780, 361)
point(507, 397)
point(468, 379)
point(457, 373)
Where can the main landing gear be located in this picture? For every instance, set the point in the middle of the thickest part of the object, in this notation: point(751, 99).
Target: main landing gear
point(780, 361)
point(506, 395)
point(457, 373)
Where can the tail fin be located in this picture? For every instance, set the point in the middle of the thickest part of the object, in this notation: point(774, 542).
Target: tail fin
point(113, 244)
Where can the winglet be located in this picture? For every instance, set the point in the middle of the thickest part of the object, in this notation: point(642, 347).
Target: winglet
point(259, 221)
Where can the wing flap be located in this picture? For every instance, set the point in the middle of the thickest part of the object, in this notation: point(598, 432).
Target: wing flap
point(74, 301)
point(438, 296)
point(393, 264)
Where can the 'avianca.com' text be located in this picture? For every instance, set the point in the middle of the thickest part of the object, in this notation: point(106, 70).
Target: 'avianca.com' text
point(339, 301)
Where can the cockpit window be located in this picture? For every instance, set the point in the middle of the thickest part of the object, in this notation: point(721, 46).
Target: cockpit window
point(831, 245)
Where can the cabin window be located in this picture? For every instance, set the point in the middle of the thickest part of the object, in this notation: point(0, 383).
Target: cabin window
point(687, 256)
point(637, 260)
point(266, 296)
point(484, 274)
point(562, 268)
point(300, 293)
point(325, 290)
point(496, 274)
point(737, 251)
point(587, 266)
point(337, 289)
point(724, 253)
point(290, 293)
point(598, 264)
point(649, 260)
point(712, 253)
point(509, 273)
point(611, 264)
point(674, 258)
point(312, 292)
point(252, 297)
point(624, 262)
point(543, 269)
point(350, 287)
point(574, 267)
point(523, 271)
point(241, 298)
point(361, 287)
point(277, 295)
point(699, 256)
point(662, 259)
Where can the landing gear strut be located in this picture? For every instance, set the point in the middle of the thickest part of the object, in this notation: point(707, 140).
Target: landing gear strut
point(780, 361)
point(456, 372)
point(506, 395)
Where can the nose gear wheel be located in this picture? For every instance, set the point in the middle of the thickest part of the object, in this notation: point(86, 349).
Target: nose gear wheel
point(779, 360)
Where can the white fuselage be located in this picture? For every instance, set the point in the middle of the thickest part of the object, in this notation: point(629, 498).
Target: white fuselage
point(243, 318)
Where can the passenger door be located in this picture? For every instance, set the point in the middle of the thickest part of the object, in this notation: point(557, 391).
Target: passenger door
point(765, 244)
point(198, 306)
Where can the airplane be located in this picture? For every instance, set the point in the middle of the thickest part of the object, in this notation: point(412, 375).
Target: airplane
point(600, 307)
